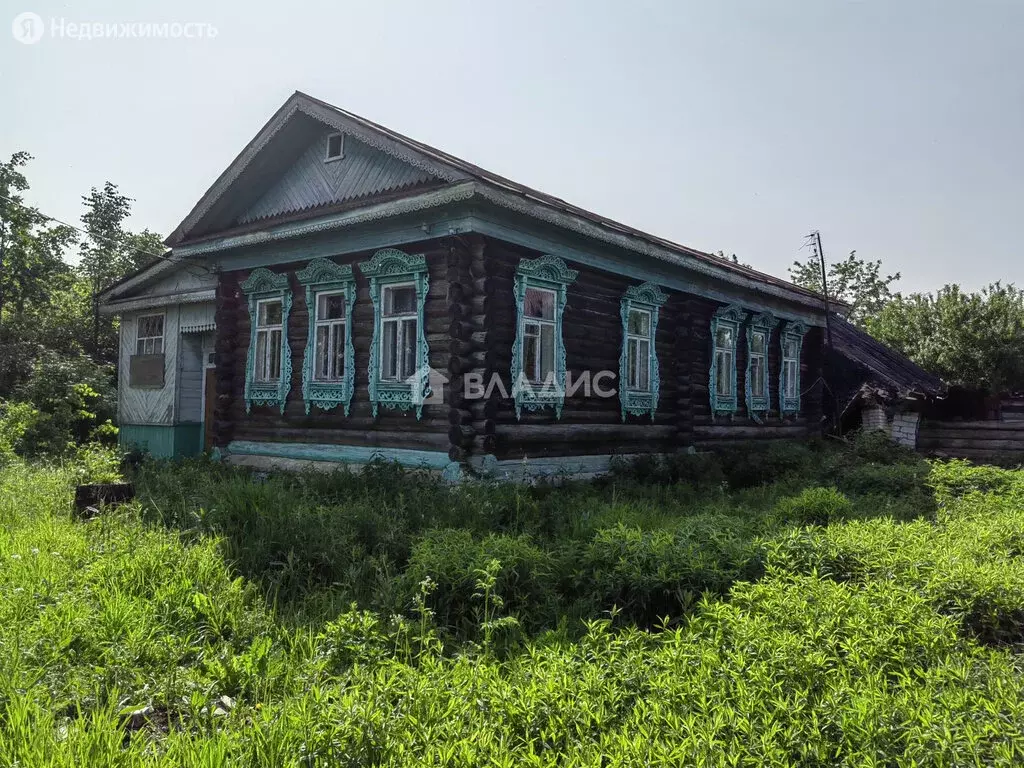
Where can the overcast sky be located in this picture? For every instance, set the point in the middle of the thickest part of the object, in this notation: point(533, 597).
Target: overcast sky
point(896, 127)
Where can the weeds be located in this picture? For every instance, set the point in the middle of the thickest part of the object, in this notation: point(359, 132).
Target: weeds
point(627, 622)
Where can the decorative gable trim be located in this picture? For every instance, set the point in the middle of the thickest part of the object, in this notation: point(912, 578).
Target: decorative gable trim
point(552, 273)
point(651, 298)
point(358, 128)
point(390, 265)
point(319, 276)
point(264, 284)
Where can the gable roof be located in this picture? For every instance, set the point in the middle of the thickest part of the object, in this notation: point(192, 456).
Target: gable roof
point(292, 128)
point(870, 363)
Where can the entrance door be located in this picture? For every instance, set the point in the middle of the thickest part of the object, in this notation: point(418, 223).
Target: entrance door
point(209, 400)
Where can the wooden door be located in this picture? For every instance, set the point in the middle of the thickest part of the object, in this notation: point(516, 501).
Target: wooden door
point(209, 400)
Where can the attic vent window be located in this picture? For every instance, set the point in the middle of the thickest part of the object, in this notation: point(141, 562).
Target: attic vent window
point(335, 147)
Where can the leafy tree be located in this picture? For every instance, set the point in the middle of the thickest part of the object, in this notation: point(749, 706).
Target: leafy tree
point(109, 252)
point(969, 339)
point(856, 282)
point(31, 250)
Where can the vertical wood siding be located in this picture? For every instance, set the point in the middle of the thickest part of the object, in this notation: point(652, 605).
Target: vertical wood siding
point(311, 182)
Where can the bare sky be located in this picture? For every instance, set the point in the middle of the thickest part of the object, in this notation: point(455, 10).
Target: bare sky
point(896, 127)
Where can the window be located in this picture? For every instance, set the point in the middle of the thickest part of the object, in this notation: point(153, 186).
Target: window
point(758, 380)
point(759, 333)
point(149, 337)
point(399, 355)
point(268, 370)
point(329, 341)
point(335, 147)
point(791, 340)
point(725, 327)
point(538, 354)
point(539, 335)
point(399, 333)
point(638, 362)
point(328, 379)
point(269, 316)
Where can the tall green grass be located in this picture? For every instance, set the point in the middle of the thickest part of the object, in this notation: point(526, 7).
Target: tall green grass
point(776, 620)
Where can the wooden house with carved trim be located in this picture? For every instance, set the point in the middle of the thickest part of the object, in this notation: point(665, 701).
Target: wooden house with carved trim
point(343, 293)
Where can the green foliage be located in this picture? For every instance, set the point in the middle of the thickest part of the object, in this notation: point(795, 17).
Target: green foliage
point(867, 642)
point(854, 281)
point(519, 574)
point(814, 506)
point(76, 403)
point(968, 339)
point(15, 420)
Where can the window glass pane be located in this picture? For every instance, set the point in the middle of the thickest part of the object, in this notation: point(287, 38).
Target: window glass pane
point(531, 354)
point(644, 365)
point(639, 323)
point(389, 351)
point(338, 347)
point(791, 373)
point(274, 353)
point(757, 342)
point(408, 349)
point(757, 376)
point(547, 351)
point(723, 385)
point(723, 338)
point(539, 304)
point(323, 370)
point(260, 374)
point(790, 348)
point(330, 306)
point(400, 300)
point(158, 346)
point(268, 313)
point(632, 376)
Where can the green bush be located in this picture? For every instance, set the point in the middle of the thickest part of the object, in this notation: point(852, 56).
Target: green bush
point(650, 575)
point(15, 420)
point(454, 561)
point(814, 506)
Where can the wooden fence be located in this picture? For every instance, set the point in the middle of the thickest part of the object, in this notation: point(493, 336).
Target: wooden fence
point(1001, 441)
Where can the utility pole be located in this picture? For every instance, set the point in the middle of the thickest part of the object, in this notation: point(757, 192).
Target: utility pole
point(828, 320)
point(824, 285)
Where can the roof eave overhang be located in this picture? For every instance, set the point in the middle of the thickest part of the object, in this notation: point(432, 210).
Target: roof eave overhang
point(475, 190)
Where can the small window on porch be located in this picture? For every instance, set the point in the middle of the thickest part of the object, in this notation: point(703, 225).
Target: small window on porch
point(149, 338)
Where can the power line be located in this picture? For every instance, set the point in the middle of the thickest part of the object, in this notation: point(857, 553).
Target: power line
point(162, 256)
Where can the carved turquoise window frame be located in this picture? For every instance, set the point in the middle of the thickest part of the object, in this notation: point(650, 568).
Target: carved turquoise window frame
point(730, 317)
point(323, 276)
point(791, 331)
point(387, 267)
point(648, 298)
point(763, 324)
point(261, 285)
point(548, 273)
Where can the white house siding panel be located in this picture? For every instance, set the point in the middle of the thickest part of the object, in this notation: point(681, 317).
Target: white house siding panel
point(137, 405)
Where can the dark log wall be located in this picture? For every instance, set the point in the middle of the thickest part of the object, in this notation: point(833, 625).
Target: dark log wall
point(592, 331)
point(709, 428)
point(470, 325)
point(391, 428)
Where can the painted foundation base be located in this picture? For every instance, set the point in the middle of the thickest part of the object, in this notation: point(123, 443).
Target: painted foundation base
point(303, 456)
point(162, 441)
